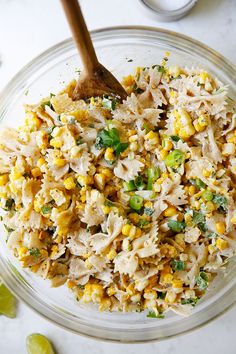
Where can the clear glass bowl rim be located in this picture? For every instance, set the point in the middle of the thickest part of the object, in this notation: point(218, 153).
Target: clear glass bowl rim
point(15, 285)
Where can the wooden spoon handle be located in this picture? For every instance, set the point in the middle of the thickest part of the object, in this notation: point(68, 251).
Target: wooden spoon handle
point(81, 34)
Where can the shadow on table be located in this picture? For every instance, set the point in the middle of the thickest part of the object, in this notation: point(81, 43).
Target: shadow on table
point(206, 7)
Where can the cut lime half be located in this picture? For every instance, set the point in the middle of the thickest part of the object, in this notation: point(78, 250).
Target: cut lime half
point(38, 344)
point(7, 302)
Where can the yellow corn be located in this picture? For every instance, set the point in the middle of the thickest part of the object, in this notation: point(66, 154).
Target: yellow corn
point(99, 181)
point(56, 143)
point(36, 172)
point(153, 136)
point(32, 121)
point(128, 80)
point(177, 283)
point(201, 123)
point(112, 254)
point(106, 209)
point(183, 124)
point(75, 152)
point(84, 180)
point(206, 173)
point(15, 174)
point(69, 183)
point(192, 190)
point(220, 227)
point(163, 154)
point(109, 154)
point(41, 162)
point(168, 145)
point(111, 291)
point(126, 229)
point(3, 179)
point(221, 244)
point(167, 279)
point(170, 297)
point(233, 220)
point(210, 207)
point(170, 211)
point(133, 146)
point(22, 252)
point(211, 249)
point(58, 162)
point(105, 171)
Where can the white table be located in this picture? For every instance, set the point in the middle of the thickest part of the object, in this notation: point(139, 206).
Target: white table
point(28, 27)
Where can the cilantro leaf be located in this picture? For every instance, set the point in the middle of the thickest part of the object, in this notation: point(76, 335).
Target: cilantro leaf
point(177, 264)
point(221, 201)
point(192, 301)
point(110, 138)
point(109, 103)
point(202, 281)
point(176, 226)
point(199, 220)
point(9, 204)
point(46, 209)
point(152, 314)
point(34, 252)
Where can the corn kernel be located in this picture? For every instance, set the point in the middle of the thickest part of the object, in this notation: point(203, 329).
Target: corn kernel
point(56, 143)
point(111, 291)
point(167, 279)
point(192, 190)
point(221, 244)
point(106, 209)
point(99, 181)
point(109, 154)
point(41, 162)
point(36, 172)
point(22, 252)
point(105, 304)
point(59, 162)
point(126, 229)
point(112, 254)
point(15, 174)
point(211, 249)
point(233, 220)
point(170, 211)
point(206, 173)
point(69, 183)
point(170, 296)
point(177, 283)
point(133, 146)
point(220, 227)
point(163, 154)
point(153, 136)
point(168, 145)
point(84, 180)
point(210, 207)
point(3, 179)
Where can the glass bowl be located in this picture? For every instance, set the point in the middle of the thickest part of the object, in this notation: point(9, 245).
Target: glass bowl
point(121, 50)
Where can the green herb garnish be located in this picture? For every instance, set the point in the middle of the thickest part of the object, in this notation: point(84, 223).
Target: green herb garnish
point(34, 252)
point(142, 223)
point(221, 202)
point(9, 204)
point(148, 211)
point(110, 138)
point(136, 202)
point(175, 138)
point(199, 220)
point(81, 286)
point(192, 301)
point(109, 103)
point(46, 209)
point(177, 264)
point(176, 226)
point(8, 229)
point(152, 314)
point(202, 281)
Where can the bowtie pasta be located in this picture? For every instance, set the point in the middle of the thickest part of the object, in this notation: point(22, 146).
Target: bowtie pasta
point(131, 204)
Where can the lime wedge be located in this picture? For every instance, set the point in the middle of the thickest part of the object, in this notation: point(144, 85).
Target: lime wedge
point(38, 344)
point(7, 302)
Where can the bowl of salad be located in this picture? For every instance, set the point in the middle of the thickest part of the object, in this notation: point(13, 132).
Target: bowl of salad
point(118, 217)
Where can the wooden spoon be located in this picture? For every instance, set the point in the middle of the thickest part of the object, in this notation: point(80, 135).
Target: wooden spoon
point(95, 80)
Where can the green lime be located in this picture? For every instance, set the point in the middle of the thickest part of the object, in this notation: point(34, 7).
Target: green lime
point(7, 302)
point(38, 344)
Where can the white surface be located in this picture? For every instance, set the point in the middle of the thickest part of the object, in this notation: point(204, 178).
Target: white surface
point(27, 27)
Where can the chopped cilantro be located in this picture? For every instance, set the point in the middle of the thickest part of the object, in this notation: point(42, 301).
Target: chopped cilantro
point(199, 220)
point(177, 264)
point(175, 138)
point(34, 252)
point(110, 138)
point(46, 209)
point(148, 211)
point(109, 103)
point(192, 301)
point(142, 223)
point(221, 202)
point(152, 314)
point(81, 286)
point(176, 226)
point(160, 68)
point(202, 281)
point(9, 204)
point(8, 229)
point(161, 295)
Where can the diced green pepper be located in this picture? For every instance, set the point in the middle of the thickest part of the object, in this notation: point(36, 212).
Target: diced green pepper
point(175, 158)
point(176, 226)
point(153, 173)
